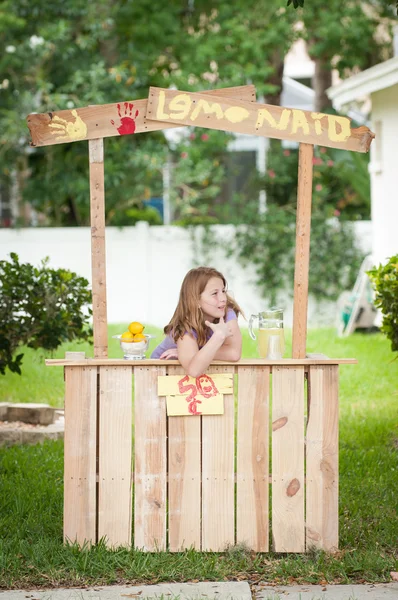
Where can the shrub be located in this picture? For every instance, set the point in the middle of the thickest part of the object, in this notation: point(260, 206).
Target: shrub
point(385, 282)
point(39, 308)
point(268, 242)
point(341, 182)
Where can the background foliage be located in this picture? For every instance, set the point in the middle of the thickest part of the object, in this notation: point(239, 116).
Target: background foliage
point(385, 281)
point(61, 55)
point(39, 308)
point(268, 242)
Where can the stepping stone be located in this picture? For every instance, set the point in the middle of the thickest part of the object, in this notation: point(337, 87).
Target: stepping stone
point(36, 414)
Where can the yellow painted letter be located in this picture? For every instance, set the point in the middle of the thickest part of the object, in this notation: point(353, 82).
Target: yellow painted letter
point(300, 121)
point(317, 121)
point(264, 115)
point(159, 113)
point(344, 125)
point(181, 104)
point(236, 114)
point(208, 109)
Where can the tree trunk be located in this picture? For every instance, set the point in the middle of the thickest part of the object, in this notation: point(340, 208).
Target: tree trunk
point(321, 82)
point(276, 79)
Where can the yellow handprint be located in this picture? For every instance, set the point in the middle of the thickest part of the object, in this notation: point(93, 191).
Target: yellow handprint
point(76, 130)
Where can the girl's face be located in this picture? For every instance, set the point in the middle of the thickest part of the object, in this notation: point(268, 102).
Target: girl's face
point(213, 299)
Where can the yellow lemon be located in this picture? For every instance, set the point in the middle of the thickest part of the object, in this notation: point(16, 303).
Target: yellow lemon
point(139, 337)
point(127, 336)
point(136, 327)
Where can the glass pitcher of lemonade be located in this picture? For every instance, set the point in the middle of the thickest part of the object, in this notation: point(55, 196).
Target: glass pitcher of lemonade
point(270, 335)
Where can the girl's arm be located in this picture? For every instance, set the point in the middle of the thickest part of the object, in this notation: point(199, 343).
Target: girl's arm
point(195, 361)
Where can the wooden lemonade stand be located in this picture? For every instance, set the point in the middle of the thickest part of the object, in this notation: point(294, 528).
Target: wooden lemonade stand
point(201, 481)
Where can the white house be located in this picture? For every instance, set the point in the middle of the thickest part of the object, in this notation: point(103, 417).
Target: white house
point(380, 84)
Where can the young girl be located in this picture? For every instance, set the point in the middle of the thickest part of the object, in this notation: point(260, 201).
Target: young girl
point(204, 326)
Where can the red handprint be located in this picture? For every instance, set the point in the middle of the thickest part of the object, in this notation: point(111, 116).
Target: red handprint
point(127, 121)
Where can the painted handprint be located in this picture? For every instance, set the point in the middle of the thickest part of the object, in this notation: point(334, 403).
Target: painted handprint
point(127, 121)
point(69, 130)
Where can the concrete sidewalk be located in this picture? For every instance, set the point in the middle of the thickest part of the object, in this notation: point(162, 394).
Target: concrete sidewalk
point(376, 591)
point(208, 590)
point(211, 590)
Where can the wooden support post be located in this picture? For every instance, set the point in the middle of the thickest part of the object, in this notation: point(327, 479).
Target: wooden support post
point(301, 269)
point(98, 258)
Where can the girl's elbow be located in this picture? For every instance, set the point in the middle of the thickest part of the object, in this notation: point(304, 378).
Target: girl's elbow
point(236, 355)
point(192, 372)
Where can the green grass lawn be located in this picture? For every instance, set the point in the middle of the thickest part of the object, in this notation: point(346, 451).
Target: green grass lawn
point(31, 490)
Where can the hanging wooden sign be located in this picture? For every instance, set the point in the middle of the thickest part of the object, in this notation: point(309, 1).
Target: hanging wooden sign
point(266, 120)
point(108, 120)
point(195, 395)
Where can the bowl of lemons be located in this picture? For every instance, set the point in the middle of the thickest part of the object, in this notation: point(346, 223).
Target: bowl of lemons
point(134, 342)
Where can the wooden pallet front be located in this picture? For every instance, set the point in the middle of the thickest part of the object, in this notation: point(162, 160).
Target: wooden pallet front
point(203, 481)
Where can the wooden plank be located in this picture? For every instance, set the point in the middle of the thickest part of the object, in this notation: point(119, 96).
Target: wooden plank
point(322, 510)
point(302, 259)
point(230, 114)
point(184, 488)
point(253, 458)
point(61, 362)
point(150, 460)
point(288, 459)
point(218, 475)
point(98, 256)
point(80, 454)
point(115, 453)
point(108, 120)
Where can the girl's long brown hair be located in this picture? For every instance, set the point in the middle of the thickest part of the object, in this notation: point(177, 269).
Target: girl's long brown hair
point(188, 315)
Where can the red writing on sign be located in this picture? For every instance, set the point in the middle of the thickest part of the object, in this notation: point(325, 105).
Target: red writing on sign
point(203, 386)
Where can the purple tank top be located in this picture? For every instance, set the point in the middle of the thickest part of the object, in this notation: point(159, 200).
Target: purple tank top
point(168, 342)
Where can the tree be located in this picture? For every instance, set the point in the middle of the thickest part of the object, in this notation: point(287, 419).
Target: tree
point(234, 43)
point(300, 3)
point(39, 308)
point(346, 36)
point(64, 55)
point(341, 182)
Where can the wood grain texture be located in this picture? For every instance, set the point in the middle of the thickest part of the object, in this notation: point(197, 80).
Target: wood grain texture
point(105, 120)
point(230, 114)
point(322, 459)
point(218, 528)
point(184, 489)
point(150, 453)
point(80, 454)
point(302, 253)
point(253, 458)
point(61, 362)
point(98, 256)
point(288, 459)
point(115, 454)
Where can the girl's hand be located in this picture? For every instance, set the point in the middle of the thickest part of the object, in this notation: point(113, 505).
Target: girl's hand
point(222, 329)
point(169, 354)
